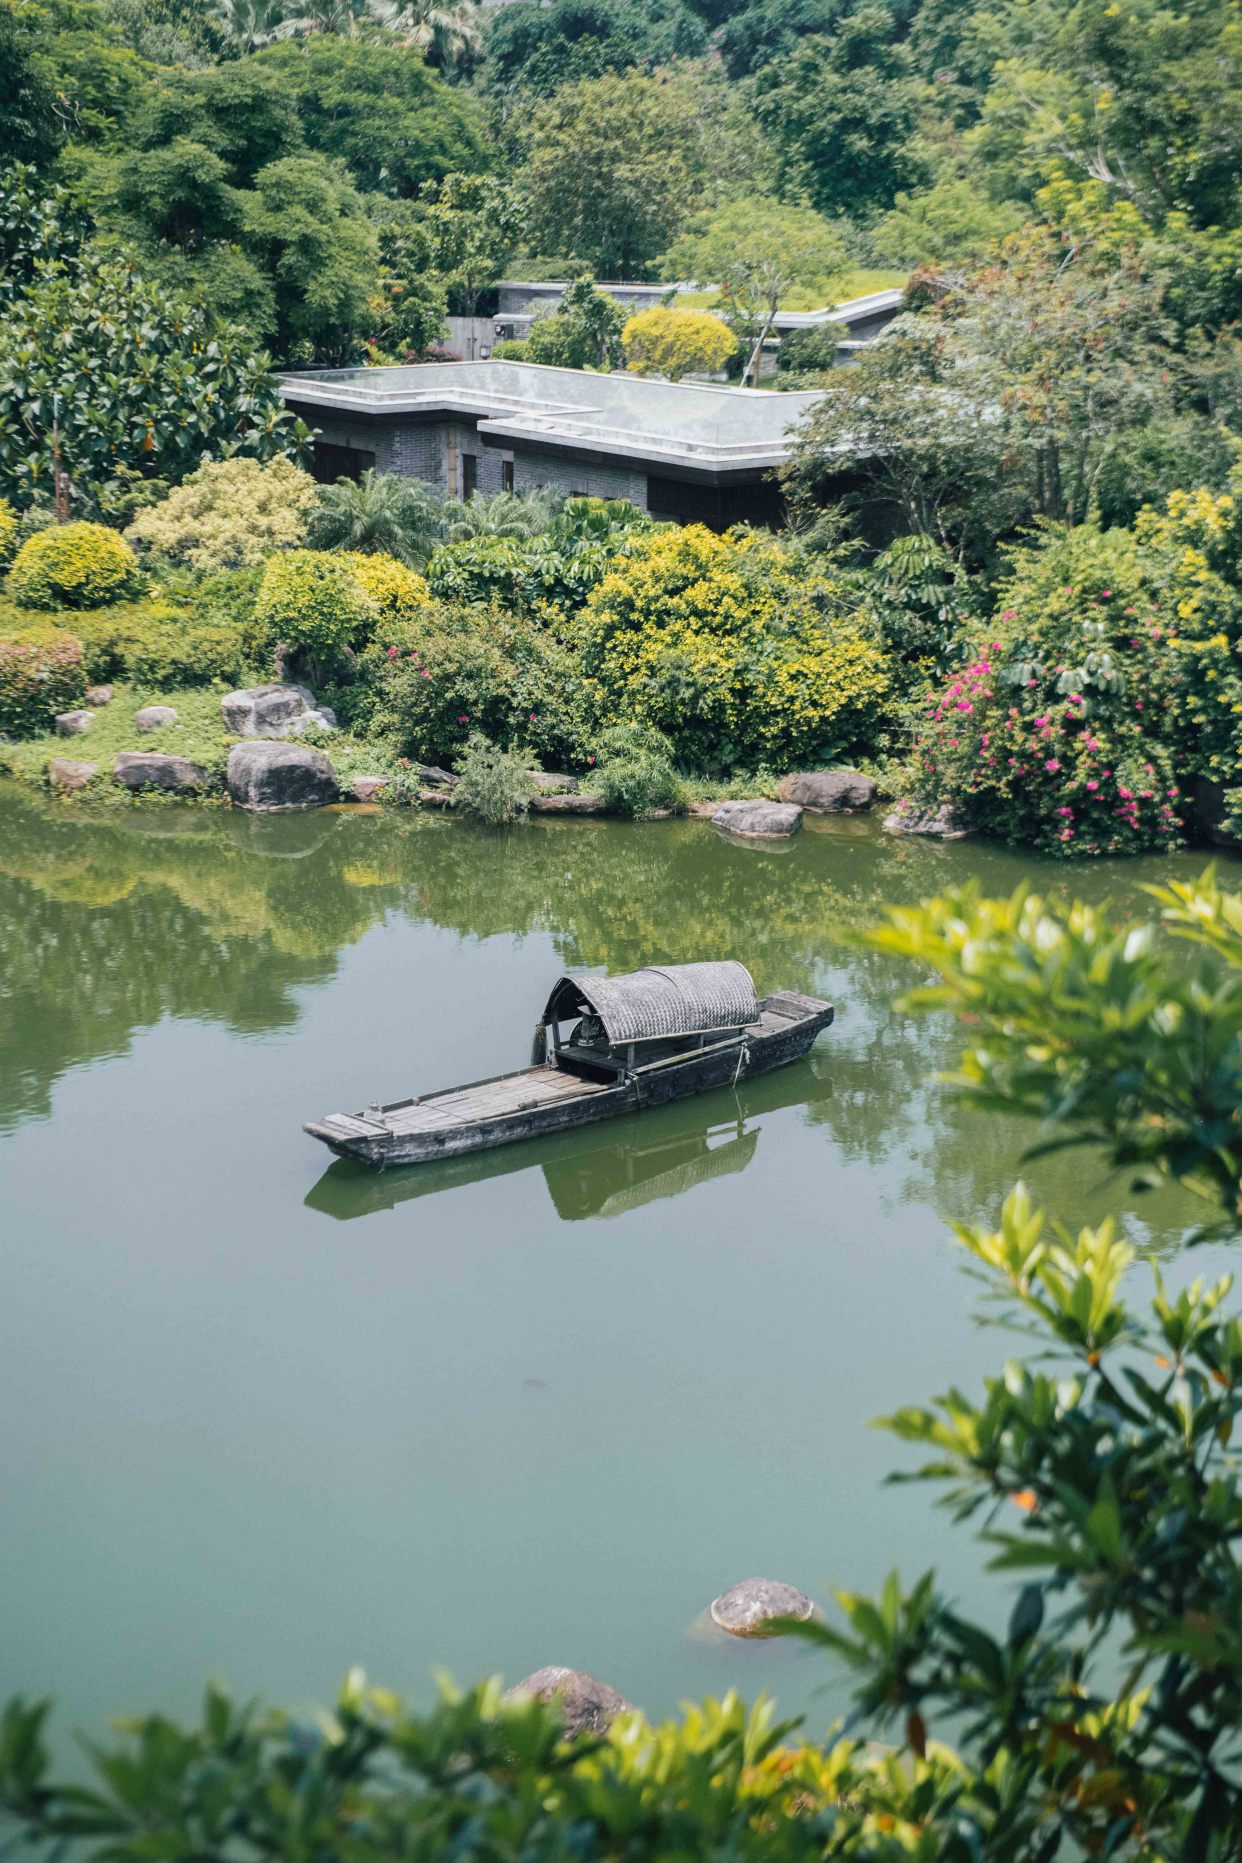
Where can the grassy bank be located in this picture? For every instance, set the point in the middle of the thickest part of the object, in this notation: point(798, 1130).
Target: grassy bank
point(199, 734)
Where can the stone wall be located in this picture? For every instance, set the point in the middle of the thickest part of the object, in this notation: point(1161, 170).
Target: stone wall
point(593, 481)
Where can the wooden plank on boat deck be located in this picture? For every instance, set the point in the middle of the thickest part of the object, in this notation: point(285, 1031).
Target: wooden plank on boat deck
point(349, 1127)
point(488, 1100)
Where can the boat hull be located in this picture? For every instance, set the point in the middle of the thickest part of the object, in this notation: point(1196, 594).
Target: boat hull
point(373, 1140)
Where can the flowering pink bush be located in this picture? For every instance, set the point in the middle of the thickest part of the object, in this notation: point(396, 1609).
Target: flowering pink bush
point(1057, 735)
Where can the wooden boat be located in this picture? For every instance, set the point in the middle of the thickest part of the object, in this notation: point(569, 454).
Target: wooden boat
point(605, 1046)
point(594, 1171)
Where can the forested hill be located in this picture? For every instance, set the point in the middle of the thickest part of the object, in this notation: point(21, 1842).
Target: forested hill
point(333, 174)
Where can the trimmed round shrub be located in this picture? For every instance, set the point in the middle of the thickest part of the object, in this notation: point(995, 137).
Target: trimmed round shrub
point(312, 602)
point(397, 592)
point(8, 531)
point(73, 566)
point(37, 680)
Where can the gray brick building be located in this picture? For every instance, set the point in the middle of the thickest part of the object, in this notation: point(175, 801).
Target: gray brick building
point(679, 450)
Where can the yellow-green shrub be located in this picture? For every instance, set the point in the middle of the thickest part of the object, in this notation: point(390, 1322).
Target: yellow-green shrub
point(734, 649)
point(397, 592)
point(311, 601)
point(672, 343)
point(230, 514)
point(37, 680)
point(8, 531)
point(73, 566)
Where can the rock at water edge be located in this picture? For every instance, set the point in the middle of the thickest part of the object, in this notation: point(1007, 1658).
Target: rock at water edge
point(751, 1608)
point(72, 724)
point(567, 805)
point(942, 823)
point(157, 769)
point(266, 775)
point(549, 783)
point(587, 1706)
point(366, 788)
point(155, 717)
point(273, 711)
point(759, 818)
point(826, 792)
point(67, 775)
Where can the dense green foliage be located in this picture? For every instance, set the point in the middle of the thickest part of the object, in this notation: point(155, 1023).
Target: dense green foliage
point(1102, 1719)
point(1102, 694)
point(634, 771)
point(37, 680)
point(492, 783)
point(453, 671)
point(129, 376)
point(728, 646)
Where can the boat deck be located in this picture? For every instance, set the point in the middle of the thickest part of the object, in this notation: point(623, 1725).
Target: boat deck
point(485, 1099)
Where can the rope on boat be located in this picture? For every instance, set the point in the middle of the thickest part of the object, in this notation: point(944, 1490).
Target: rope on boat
point(743, 1055)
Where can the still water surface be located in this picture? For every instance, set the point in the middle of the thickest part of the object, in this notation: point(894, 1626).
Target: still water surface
point(266, 1416)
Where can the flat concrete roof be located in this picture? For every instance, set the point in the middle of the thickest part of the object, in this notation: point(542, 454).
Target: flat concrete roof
point(849, 310)
point(684, 425)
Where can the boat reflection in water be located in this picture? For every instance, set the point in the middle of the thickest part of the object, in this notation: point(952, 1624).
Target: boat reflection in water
point(601, 1171)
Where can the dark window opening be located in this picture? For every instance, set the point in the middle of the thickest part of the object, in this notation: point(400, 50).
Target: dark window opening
point(717, 506)
point(330, 462)
point(469, 474)
point(506, 475)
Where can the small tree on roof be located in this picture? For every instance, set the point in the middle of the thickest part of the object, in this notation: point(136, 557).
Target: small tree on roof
point(755, 251)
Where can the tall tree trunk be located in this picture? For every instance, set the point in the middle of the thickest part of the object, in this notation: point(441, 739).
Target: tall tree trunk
point(752, 367)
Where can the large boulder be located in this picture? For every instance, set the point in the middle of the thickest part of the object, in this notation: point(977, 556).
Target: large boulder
point(275, 775)
point(942, 822)
point(550, 783)
point(155, 717)
point(750, 1608)
point(99, 695)
point(586, 1705)
point(432, 777)
point(825, 792)
point(157, 769)
point(66, 775)
point(771, 819)
point(72, 724)
point(575, 803)
point(273, 711)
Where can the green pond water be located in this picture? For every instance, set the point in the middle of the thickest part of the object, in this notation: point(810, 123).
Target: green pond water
point(267, 1416)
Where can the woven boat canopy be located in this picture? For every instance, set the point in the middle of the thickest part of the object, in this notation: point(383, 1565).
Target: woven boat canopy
point(652, 1004)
